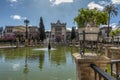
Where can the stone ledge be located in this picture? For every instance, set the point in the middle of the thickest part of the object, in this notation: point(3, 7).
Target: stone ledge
point(91, 57)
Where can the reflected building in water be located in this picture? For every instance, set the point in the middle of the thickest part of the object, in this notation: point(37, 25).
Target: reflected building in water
point(58, 57)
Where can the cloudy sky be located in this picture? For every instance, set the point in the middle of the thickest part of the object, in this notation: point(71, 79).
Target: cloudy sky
point(13, 12)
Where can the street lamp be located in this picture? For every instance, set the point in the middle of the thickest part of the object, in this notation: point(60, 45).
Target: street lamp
point(26, 23)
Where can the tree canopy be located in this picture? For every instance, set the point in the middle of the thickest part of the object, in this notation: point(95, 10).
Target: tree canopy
point(26, 22)
point(94, 17)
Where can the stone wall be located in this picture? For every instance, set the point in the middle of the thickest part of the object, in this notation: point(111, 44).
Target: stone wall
point(89, 37)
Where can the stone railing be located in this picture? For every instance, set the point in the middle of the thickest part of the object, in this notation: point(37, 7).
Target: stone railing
point(102, 74)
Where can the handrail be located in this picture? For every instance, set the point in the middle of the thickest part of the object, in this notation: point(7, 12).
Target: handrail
point(101, 73)
point(115, 62)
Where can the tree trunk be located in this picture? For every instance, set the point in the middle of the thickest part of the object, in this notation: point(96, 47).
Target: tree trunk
point(108, 31)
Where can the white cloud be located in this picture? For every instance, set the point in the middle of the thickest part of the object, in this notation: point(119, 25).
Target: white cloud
point(104, 3)
point(17, 17)
point(114, 26)
point(13, 1)
point(57, 2)
point(69, 29)
point(116, 1)
point(93, 5)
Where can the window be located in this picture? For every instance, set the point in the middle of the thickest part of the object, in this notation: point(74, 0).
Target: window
point(9, 30)
point(52, 36)
point(58, 29)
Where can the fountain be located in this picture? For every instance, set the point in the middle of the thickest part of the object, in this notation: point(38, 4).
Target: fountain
point(47, 48)
point(43, 49)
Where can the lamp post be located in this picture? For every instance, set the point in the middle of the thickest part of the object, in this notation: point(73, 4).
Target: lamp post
point(26, 33)
point(26, 23)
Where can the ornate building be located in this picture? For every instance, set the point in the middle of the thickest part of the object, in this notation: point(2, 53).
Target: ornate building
point(19, 32)
point(58, 31)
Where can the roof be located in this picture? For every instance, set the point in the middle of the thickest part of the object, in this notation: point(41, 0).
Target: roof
point(58, 23)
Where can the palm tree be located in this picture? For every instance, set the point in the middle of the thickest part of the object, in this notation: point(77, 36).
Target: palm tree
point(26, 23)
point(111, 9)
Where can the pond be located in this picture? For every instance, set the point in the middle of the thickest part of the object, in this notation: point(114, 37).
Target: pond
point(29, 64)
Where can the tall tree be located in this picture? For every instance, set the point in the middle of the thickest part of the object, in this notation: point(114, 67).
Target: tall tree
point(111, 9)
point(73, 34)
point(42, 30)
point(1, 29)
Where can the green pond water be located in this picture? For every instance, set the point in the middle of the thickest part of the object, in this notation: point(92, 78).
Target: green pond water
point(30, 64)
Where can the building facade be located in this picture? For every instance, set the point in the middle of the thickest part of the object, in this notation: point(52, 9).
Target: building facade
point(20, 32)
point(104, 30)
point(33, 32)
point(58, 31)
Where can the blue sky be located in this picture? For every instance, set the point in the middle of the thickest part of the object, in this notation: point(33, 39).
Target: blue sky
point(13, 12)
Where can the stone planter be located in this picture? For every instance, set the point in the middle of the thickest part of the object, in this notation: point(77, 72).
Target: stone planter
point(92, 33)
point(83, 69)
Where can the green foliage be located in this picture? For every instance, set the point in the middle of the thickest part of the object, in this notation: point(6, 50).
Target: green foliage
point(114, 32)
point(73, 34)
point(93, 16)
point(42, 30)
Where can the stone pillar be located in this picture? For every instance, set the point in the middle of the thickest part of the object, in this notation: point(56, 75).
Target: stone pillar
point(83, 69)
point(107, 50)
point(35, 43)
point(114, 52)
point(17, 42)
point(26, 42)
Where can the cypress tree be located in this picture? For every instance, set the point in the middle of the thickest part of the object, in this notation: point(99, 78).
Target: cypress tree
point(73, 35)
point(41, 30)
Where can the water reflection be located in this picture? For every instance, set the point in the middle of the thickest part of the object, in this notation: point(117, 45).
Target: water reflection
point(31, 65)
point(58, 57)
point(49, 54)
point(26, 67)
point(41, 59)
point(11, 54)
